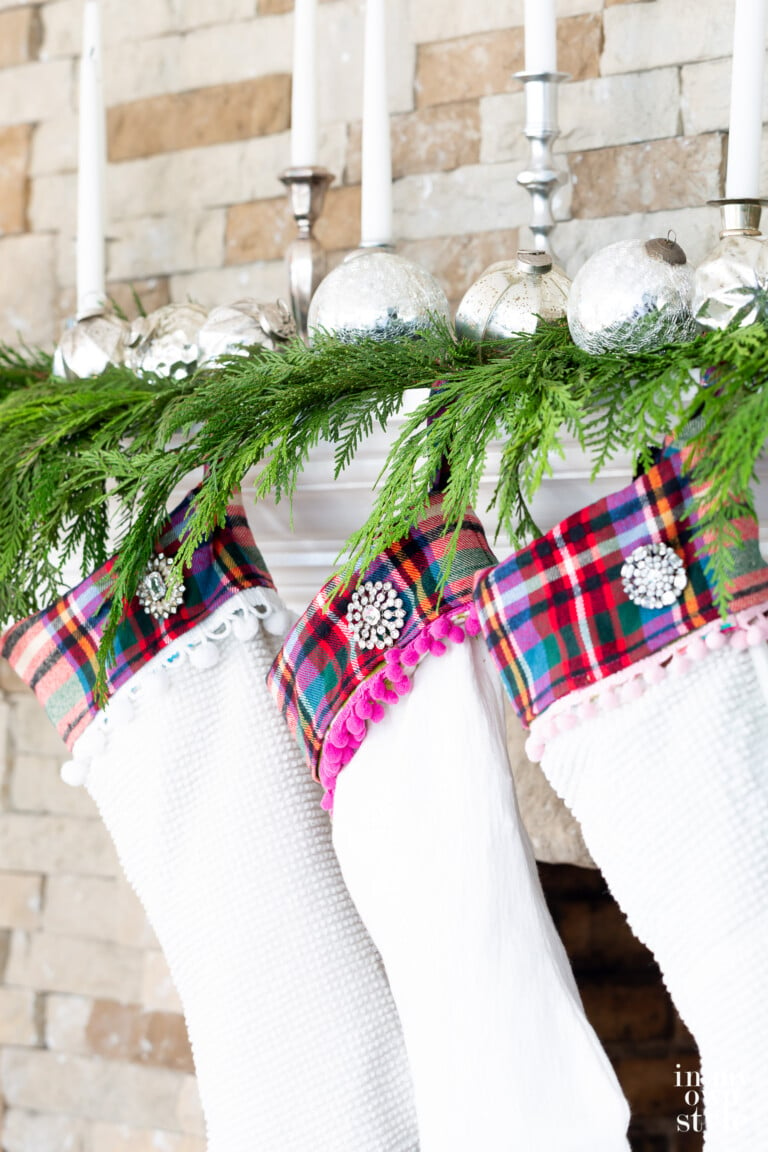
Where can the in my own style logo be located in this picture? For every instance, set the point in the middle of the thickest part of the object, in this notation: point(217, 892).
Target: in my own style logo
point(691, 1120)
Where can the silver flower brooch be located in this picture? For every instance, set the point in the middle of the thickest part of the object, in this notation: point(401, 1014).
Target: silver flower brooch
point(654, 576)
point(375, 615)
point(155, 593)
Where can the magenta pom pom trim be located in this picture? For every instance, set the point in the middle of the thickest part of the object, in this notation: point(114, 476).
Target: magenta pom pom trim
point(744, 630)
point(368, 704)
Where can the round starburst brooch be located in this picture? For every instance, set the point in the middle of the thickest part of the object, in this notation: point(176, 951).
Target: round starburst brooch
point(155, 593)
point(375, 615)
point(654, 576)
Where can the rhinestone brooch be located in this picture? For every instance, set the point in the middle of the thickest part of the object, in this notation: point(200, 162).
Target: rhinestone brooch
point(155, 593)
point(654, 576)
point(375, 615)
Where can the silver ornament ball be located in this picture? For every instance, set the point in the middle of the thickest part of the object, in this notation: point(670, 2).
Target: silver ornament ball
point(511, 296)
point(378, 295)
point(89, 346)
point(632, 296)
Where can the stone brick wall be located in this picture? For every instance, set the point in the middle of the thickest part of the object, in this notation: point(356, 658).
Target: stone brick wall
point(92, 1048)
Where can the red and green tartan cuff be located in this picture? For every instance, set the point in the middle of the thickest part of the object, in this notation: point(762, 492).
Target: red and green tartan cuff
point(608, 587)
point(54, 651)
point(351, 651)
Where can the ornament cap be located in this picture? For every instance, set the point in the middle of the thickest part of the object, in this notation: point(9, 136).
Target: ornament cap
point(739, 217)
point(534, 263)
point(666, 249)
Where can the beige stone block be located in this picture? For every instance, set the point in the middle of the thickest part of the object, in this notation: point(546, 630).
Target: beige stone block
point(190, 1112)
point(20, 35)
point(19, 1022)
point(478, 198)
point(51, 963)
point(66, 1021)
point(274, 7)
point(435, 20)
point(258, 231)
point(132, 927)
point(126, 1032)
point(650, 177)
point(9, 681)
point(54, 144)
point(14, 162)
point(158, 991)
point(84, 906)
point(640, 36)
point(434, 139)
point(486, 62)
point(91, 1088)
point(151, 246)
point(696, 230)
point(340, 58)
point(33, 732)
point(210, 286)
point(54, 844)
point(27, 292)
point(706, 97)
point(199, 118)
point(607, 111)
point(457, 261)
point(41, 1132)
point(37, 786)
point(53, 202)
point(31, 92)
point(110, 1138)
point(20, 900)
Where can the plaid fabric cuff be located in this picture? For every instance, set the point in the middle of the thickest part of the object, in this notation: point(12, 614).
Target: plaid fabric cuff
point(323, 669)
point(557, 616)
point(54, 651)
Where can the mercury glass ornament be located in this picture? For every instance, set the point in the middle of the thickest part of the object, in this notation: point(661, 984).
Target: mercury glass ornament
point(512, 296)
point(231, 328)
point(166, 341)
point(378, 295)
point(90, 345)
point(730, 285)
point(632, 296)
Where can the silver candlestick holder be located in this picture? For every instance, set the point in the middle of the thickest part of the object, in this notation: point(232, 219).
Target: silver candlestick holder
point(732, 282)
point(305, 256)
point(541, 179)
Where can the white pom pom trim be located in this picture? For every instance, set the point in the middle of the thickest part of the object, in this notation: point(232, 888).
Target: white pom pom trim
point(242, 617)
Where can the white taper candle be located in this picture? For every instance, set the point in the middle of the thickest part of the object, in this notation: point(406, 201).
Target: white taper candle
point(540, 36)
point(747, 70)
point(304, 85)
point(92, 161)
point(376, 215)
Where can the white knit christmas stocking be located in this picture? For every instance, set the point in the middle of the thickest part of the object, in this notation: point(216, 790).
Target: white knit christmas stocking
point(650, 716)
point(431, 845)
point(295, 1036)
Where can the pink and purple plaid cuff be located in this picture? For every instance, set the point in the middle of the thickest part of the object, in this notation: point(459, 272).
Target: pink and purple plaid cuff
point(569, 610)
point(54, 651)
point(329, 684)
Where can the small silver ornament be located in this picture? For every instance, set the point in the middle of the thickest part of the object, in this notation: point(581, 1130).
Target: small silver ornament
point(730, 285)
point(632, 296)
point(378, 295)
point(166, 341)
point(155, 592)
point(231, 328)
point(375, 615)
point(654, 576)
point(90, 345)
point(511, 296)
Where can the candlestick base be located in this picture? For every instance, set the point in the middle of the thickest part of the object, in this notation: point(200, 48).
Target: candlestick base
point(305, 257)
point(541, 129)
point(731, 283)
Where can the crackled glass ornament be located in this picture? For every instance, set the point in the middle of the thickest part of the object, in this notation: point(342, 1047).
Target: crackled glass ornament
point(632, 296)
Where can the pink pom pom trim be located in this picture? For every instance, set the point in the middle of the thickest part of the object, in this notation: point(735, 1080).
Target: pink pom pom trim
point(387, 685)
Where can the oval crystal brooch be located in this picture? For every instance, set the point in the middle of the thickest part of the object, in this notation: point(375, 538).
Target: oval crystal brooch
point(375, 615)
point(654, 576)
point(155, 593)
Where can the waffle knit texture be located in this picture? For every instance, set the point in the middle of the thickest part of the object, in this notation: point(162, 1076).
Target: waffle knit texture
point(54, 651)
point(556, 615)
point(671, 790)
point(319, 668)
point(428, 834)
